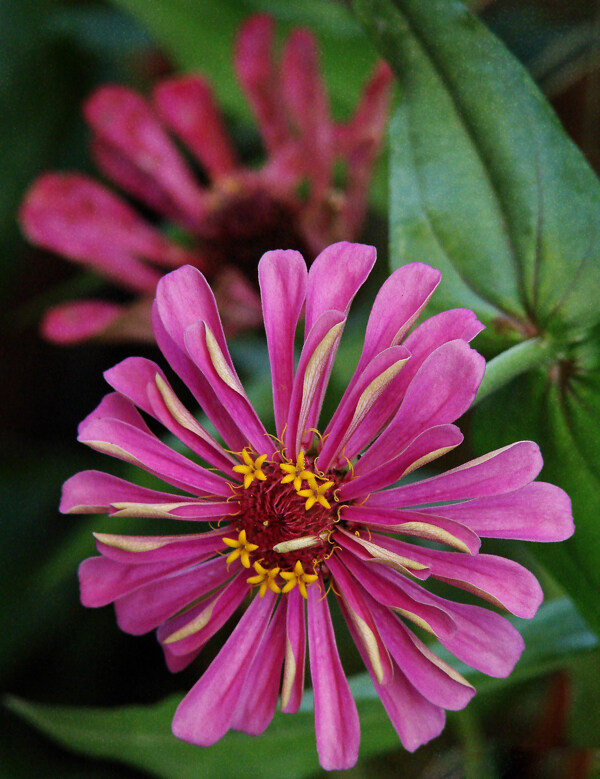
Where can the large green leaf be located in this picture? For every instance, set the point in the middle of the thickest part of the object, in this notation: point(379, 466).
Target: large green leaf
point(141, 736)
point(486, 186)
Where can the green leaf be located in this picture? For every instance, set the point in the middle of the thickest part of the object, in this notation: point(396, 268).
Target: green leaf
point(141, 736)
point(485, 184)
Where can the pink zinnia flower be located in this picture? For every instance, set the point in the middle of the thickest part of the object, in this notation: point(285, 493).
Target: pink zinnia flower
point(239, 213)
point(300, 517)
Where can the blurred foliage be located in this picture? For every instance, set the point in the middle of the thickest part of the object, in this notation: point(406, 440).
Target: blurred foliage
point(492, 171)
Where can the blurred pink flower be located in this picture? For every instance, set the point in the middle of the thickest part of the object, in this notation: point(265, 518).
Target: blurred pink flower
point(299, 515)
point(238, 214)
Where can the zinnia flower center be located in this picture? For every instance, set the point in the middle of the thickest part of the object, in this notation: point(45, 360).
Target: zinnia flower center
point(286, 514)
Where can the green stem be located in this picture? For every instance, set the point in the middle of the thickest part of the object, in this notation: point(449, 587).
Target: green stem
point(512, 363)
point(477, 759)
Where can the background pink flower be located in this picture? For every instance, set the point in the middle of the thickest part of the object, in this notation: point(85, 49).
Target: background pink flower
point(301, 515)
point(237, 212)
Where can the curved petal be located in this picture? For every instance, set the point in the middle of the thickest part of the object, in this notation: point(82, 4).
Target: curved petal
point(72, 323)
point(186, 104)
point(140, 550)
point(206, 712)
point(292, 685)
point(498, 472)
point(336, 718)
point(258, 701)
point(335, 277)
point(283, 280)
point(442, 390)
point(536, 512)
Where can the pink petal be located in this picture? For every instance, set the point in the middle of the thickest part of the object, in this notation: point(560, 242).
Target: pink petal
point(103, 581)
point(93, 492)
point(147, 607)
point(503, 582)
point(72, 215)
point(359, 617)
point(186, 104)
point(363, 411)
point(72, 323)
point(135, 377)
point(258, 702)
point(206, 712)
point(336, 718)
point(398, 304)
point(306, 100)
point(227, 386)
point(292, 685)
point(441, 391)
point(427, 446)
point(129, 443)
point(122, 119)
point(259, 81)
point(498, 472)
point(183, 298)
point(414, 523)
point(310, 381)
point(283, 281)
point(188, 632)
point(414, 718)
point(360, 141)
point(536, 512)
point(388, 588)
point(141, 550)
point(335, 277)
point(115, 406)
point(433, 679)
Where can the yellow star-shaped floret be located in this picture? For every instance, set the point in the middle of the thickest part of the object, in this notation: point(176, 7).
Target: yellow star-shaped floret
point(252, 468)
point(241, 548)
point(295, 473)
point(315, 493)
point(266, 579)
point(298, 577)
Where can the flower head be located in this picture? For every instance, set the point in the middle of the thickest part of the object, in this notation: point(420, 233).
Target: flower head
point(240, 212)
point(298, 518)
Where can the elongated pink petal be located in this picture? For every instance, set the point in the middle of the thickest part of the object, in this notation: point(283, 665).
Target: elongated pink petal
point(115, 406)
point(135, 446)
point(204, 351)
point(415, 523)
point(292, 685)
point(257, 705)
point(283, 280)
point(136, 378)
point(123, 119)
point(435, 680)
point(359, 408)
point(93, 492)
point(102, 580)
point(335, 277)
point(147, 607)
point(206, 712)
point(169, 322)
point(390, 590)
point(186, 104)
point(358, 615)
point(336, 718)
point(72, 323)
point(188, 632)
point(310, 381)
point(442, 390)
point(261, 85)
point(415, 719)
point(427, 446)
point(536, 512)
point(360, 140)
point(306, 101)
point(141, 550)
point(398, 304)
point(503, 582)
point(498, 472)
